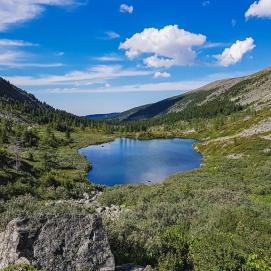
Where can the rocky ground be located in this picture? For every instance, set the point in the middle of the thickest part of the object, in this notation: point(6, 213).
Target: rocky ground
point(63, 242)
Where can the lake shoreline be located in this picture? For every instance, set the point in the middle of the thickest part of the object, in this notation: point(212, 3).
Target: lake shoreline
point(184, 166)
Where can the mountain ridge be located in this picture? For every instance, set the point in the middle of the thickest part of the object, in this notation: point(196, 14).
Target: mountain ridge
point(246, 91)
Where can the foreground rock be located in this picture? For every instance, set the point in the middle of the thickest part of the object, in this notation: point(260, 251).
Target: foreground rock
point(57, 243)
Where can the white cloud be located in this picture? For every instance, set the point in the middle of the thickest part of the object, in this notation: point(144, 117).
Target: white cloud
point(12, 57)
point(17, 59)
point(20, 65)
point(13, 12)
point(156, 62)
point(260, 9)
point(111, 35)
point(206, 3)
point(57, 84)
point(168, 46)
point(15, 43)
point(8, 57)
point(109, 58)
point(210, 45)
point(161, 75)
point(233, 22)
point(236, 52)
point(96, 74)
point(124, 8)
point(181, 86)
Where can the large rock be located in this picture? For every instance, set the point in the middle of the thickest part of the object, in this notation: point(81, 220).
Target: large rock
point(57, 243)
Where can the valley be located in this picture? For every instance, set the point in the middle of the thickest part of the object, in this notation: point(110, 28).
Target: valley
point(216, 217)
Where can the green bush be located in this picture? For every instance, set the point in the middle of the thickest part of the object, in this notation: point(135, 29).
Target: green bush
point(20, 267)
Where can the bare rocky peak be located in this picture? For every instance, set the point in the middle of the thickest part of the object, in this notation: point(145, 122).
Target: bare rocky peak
point(220, 84)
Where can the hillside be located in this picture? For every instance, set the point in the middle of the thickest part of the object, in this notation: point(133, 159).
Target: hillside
point(11, 92)
point(218, 216)
point(237, 93)
point(18, 104)
point(39, 144)
point(214, 218)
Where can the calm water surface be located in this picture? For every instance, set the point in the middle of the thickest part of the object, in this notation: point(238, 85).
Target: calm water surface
point(125, 161)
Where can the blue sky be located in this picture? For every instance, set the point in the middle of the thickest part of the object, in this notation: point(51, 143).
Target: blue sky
point(100, 56)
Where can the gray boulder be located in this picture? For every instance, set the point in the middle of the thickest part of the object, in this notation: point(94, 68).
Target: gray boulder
point(57, 243)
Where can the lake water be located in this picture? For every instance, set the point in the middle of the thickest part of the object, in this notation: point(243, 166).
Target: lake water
point(129, 161)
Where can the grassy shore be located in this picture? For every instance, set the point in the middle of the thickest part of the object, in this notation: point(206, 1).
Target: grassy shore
point(215, 218)
point(211, 219)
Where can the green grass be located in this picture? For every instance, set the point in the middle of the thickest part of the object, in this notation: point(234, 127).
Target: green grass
point(211, 219)
point(215, 218)
point(51, 170)
point(20, 267)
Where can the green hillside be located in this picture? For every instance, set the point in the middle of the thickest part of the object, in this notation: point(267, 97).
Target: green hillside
point(38, 147)
point(220, 97)
point(215, 218)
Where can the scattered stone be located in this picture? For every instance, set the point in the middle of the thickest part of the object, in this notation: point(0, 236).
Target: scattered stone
point(235, 156)
point(187, 132)
point(247, 118)
point(268, 137)
point(86, 196)
point(260, 128)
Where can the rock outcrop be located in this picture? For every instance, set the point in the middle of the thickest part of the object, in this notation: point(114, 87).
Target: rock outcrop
point(57, 243)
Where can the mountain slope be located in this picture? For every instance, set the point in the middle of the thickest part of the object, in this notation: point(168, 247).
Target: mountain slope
point(11, 92)
point(39, 147)
point(16, 103)
point(239, 93)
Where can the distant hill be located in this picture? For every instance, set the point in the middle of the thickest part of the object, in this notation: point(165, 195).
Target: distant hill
point(235, 93)
point(102, 116)
point(19, 105)
point(13, 93)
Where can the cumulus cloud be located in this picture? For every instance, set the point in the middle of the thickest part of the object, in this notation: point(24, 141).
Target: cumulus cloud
point(158, 62)
point(161, 75)
point(260, 9)
point(168, 46)
point(13, 12)
point(235, 53)
point(124, 8)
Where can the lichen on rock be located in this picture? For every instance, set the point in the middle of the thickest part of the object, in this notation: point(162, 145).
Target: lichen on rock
point(57, 243)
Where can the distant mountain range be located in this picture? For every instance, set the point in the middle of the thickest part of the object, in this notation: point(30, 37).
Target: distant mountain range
point(102, 116)
point(252, 90)
point(248, 91)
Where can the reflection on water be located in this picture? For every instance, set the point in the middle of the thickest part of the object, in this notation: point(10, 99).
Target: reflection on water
point(127, 161)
